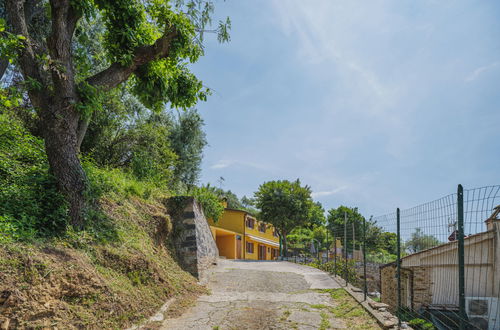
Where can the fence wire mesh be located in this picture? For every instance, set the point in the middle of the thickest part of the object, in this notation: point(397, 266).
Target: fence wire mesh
point(447, 275)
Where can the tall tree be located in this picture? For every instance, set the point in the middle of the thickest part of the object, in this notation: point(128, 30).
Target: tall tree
point(284, 204)
point(338, 225)
point(148, 42)
point(188, 140)
point(420, 241)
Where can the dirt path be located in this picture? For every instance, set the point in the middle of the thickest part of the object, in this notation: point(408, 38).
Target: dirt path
point(266, 295)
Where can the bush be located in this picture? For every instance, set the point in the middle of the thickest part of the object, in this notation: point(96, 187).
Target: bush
point(30, 204)
point(106, 180)
point(381, 257)
point(421, 324)
point(338, 268)
point(212, 206)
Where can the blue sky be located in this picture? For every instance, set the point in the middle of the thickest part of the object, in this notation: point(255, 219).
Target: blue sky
point(374, 104)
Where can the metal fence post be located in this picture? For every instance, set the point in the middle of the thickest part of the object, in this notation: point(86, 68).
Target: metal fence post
point(334, 253)
point(398, 264)
point(365, 286)
point(327, 246)
point(345, 248)
point(461, 259)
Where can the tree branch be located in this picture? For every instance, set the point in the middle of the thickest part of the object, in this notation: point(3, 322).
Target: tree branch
point(117, 73)
point(27, 59)
point(64, 19)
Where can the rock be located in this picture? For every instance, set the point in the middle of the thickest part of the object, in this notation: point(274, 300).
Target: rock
point(356, 290)
point(390, 323)
point(5, 324)
point(377, 305)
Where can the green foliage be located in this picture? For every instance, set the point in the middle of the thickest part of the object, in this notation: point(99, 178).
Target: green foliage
point(420, 241)
point(153, 146)
point(212, 206)
point(421, 324)
point(9, 42)
point(316, 215)
point(380, 257)
point(376, 239)
point(30, 205)
point(163, 80)
point(299, 237)
point(284, 204)
point(115, 182)
point(339, 268)
point(127, 28)
point(188, 140)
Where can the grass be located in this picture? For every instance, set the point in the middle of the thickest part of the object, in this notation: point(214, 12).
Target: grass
point(108, 277)
point(348, 310)
point(325, 322)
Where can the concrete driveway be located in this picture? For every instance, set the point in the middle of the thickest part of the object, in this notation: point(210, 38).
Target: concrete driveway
point(262, 295)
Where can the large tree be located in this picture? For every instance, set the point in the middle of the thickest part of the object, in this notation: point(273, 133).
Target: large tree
point(147, 43)
point(284, 204)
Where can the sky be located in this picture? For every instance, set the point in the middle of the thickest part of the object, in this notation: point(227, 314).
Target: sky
point(373, 104)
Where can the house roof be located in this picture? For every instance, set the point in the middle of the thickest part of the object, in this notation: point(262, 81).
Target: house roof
point(438, 247)
point(494, 216)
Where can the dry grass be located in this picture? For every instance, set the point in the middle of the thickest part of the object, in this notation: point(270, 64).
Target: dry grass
point(91, 281)
point(348, 310)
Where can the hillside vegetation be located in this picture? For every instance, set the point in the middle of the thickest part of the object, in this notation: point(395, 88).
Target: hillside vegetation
point(116, 271)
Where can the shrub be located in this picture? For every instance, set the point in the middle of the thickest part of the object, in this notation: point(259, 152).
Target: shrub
point(338, 268)
point(212, 206)
point(30, 204)
point(421, 324)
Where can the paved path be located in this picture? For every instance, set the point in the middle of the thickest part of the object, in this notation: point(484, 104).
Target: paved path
point(261, 295)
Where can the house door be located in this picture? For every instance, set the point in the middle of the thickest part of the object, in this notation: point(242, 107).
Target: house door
point(262, 252)
point(238, 247)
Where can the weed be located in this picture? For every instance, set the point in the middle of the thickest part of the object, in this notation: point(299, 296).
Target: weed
point(325, 323)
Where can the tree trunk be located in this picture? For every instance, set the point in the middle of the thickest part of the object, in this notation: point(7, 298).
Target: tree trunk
point(60, 136)
point(285, 245)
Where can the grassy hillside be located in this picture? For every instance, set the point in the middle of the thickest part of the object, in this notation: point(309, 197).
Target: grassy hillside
point(76, 281)
point(117, 270)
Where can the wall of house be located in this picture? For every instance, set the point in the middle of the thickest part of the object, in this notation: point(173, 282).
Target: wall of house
point(268, 234)
point(227, 246)
point(232, 220)
point(255, 254)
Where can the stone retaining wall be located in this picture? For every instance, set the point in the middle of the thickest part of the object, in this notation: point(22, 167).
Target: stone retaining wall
point(193, 240)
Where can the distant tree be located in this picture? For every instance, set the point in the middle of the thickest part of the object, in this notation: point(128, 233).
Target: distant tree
point(188, 140)
point(247, 202)
point(316, 216)
point(319, 234)
point(336, 223)
point(420, 241)
point(284, 204)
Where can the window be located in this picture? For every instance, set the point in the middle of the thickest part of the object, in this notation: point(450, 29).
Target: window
point(251, 223)
point(262, 227)
point(249, 247)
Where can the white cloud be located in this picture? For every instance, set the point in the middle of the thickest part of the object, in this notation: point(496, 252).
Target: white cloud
point(223, 163)
point(476, 73)
point(226, 163)
point(317, 194)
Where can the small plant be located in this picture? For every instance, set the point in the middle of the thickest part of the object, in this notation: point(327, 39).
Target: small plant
point(421, 324)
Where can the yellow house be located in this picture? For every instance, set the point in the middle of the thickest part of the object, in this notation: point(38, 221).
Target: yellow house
point(239, 235)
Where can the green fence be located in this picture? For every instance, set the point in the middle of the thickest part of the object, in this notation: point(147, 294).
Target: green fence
point(436, 265)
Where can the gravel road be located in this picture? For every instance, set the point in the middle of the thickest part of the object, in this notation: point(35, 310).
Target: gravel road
point(261, 295)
